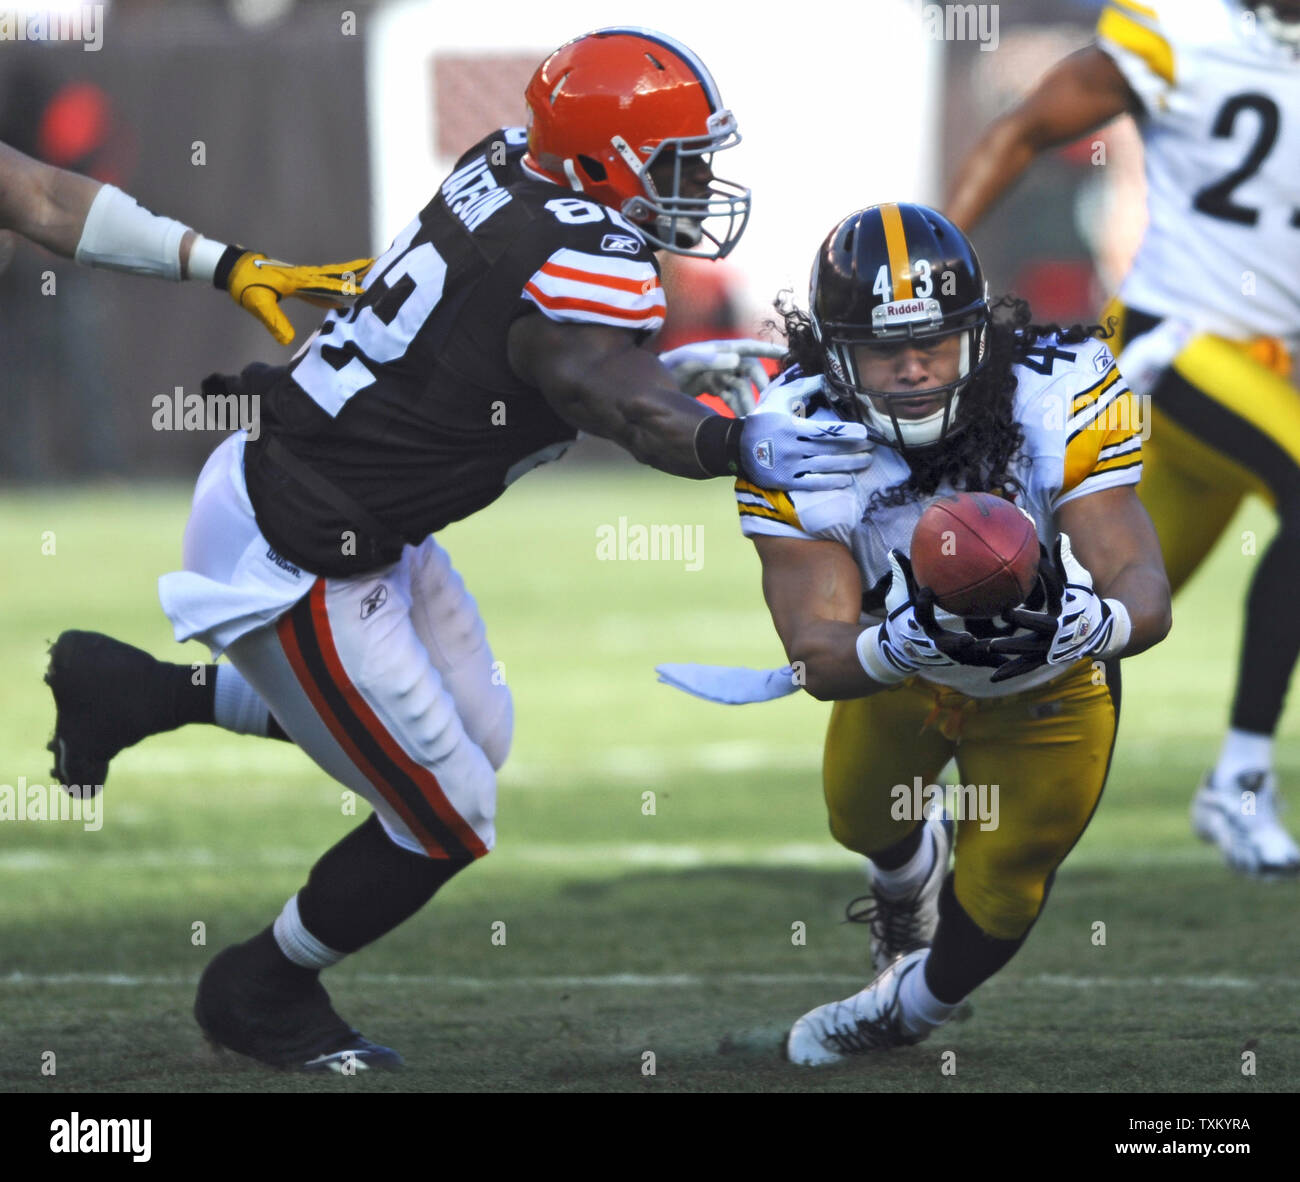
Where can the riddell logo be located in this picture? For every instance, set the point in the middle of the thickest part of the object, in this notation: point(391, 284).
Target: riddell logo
point(905, 308)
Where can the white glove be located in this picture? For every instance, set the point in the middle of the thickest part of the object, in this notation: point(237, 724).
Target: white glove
point(1075, 621)
point(790, 453)
point(909, 641)
point(730, 370)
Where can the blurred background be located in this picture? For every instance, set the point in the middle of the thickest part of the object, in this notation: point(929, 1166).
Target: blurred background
point(314, 131)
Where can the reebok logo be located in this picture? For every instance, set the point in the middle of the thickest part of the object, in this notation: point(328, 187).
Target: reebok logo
point(620, 244)
point(374, 601)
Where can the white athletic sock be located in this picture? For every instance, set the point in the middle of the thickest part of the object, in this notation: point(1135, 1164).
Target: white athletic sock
point(236, 705)
point(911, 874)
point(1242, 751)
point(921, 1010)
point(298, 944)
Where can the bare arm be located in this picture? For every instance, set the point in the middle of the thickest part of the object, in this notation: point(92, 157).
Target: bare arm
point(1078, 95)
point(814, 592)
point(1112, 536)
point(600, 381)
point(49, 205)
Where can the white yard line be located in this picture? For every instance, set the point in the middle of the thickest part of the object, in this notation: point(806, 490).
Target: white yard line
point(653, 981)
point(578, 856)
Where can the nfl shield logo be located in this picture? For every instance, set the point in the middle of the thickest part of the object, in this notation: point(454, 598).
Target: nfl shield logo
point(763, 454)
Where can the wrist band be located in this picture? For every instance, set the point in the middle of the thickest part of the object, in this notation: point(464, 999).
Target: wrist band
point(873, 664)
point(121, 235)
point(221, 272)
point(717, 445)
point(205, 258)
point(1121, 631)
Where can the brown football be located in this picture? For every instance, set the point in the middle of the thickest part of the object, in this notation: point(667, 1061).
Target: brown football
point(978, 553)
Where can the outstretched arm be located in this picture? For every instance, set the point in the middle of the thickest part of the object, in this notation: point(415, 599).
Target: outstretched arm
point(814, 592)
point(1081, 93)
point(101, 226)
point(1112, 536)
point(599, 380)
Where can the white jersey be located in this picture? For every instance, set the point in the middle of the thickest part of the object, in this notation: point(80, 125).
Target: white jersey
point(1082, 435)
point(1221, 135)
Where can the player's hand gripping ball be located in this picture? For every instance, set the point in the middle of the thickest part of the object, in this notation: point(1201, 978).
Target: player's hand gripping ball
point(976, 552)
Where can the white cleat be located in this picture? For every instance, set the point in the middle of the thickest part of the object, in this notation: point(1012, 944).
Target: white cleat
point(867, 1021)
point(1242, 821)
point(903, 925)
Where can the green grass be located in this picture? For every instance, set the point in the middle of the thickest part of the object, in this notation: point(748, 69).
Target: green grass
point(625, 933)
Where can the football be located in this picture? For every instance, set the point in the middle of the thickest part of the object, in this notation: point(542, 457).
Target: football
point(977, 552)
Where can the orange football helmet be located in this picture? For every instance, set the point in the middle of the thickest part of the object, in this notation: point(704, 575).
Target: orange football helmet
point(607, 107)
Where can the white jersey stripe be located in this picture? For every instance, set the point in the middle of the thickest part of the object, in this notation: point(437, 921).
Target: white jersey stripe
point(588, 312)
point(637, 270)
point(557, 288)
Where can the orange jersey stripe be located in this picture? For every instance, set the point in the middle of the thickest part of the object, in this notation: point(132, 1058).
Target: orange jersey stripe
point(574, 304)
point(635, 286)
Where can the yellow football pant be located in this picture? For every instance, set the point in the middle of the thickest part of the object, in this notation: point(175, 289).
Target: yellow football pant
point(1192, 483)
point(1046, 752)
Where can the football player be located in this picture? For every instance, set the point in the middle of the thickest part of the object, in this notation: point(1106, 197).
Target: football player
point(957, 396)
point(1207, 319)
point(101, 226)
point(513, 312)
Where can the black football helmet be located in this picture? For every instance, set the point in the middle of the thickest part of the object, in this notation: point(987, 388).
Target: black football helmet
point(898, 272)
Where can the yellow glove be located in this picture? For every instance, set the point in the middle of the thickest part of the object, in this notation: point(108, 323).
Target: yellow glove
point(258, 283)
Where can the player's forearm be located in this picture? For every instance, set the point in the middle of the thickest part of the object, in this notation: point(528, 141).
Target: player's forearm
point(1143, 589)
point(627, 397)
point(824, 654)
point(44, 204)
point(990, 170)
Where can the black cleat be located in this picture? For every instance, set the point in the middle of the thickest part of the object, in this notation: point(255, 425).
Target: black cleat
point(107, 696)
point(290, 1029)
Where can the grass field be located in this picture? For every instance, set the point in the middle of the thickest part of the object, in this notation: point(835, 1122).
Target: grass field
point(626, 933)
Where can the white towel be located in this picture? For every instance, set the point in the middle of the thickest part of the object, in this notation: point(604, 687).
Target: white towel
point(729, 684)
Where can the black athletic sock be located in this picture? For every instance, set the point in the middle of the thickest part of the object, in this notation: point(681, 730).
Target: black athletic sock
point(898, 854)
point(962, 956)
point(365, 886)
point(1271, 644)
point(181, 701)
point(268, 964)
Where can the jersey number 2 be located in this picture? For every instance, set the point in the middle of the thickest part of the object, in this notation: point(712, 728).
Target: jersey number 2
point(408, 284)
point(1215, 200)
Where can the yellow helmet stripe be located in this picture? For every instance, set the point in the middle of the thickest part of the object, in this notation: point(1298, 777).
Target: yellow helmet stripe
point(900, 265)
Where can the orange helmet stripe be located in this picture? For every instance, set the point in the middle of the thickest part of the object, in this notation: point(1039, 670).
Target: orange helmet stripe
point(900, 263)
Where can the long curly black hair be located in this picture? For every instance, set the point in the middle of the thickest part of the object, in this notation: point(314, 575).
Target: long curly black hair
point(977, 452)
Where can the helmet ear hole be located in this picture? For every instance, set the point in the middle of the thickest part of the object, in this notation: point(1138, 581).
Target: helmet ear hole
point(593, 168)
